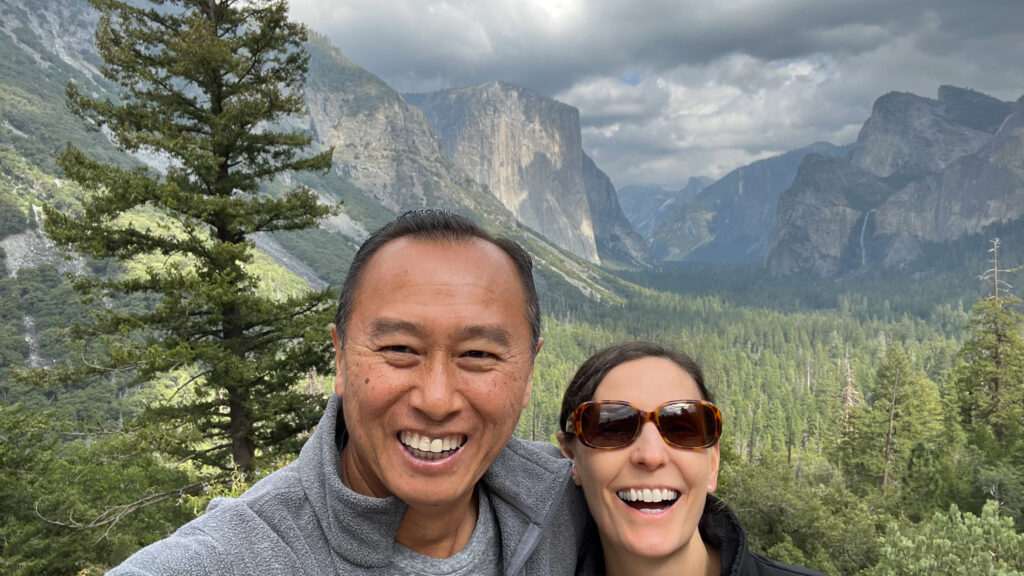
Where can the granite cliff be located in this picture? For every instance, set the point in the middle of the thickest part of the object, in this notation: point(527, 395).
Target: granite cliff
point(646, 207)
point(923, 172)
point(615, 237)
point(730, 220)
point(527, 152)
point(387, 158)
point(382, 145)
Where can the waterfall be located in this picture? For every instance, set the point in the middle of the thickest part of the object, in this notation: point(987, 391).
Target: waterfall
point(35, 360)
point(863, 226)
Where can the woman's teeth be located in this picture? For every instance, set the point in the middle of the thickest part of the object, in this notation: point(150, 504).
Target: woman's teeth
point(647, 494)
point(641, 498)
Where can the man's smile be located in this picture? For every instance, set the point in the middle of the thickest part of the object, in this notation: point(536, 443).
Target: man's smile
point(426, 448)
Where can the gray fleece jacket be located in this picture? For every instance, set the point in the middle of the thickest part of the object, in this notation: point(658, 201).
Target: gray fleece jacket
point(302, 519)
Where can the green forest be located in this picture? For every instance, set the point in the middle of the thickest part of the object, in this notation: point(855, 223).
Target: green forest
point(873, 425)
point(857, 440)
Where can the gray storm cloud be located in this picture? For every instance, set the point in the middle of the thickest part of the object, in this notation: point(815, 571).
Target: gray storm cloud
point(669, 89)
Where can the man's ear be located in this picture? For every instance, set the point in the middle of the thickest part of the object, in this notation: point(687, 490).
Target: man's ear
point(339, 363)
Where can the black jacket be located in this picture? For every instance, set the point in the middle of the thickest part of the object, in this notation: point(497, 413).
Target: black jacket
point(721, 530)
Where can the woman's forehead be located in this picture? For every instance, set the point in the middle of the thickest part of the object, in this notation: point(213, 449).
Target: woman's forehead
point(647, 381)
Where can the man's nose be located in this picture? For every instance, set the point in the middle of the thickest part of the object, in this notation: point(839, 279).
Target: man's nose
point(649, 449)
point(437, 394)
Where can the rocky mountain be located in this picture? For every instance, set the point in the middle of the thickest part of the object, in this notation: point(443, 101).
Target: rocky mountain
point(730, 220)
point(527, 151)
point(922, 173)
point(387, 158)
point(615, 237)
point(382, 146)
point(909, 134)
point(646, 207)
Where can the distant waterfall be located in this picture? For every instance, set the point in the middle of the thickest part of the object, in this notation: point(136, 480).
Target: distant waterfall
point(35, 359)
point(863, 226)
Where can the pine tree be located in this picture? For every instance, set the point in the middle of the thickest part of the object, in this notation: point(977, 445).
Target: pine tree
point(988, 389)
point(990, 380)
point(905, 414)
point(206, 85)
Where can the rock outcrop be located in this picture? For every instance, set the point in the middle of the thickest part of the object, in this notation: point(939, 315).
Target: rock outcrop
point(382, 145)
point(647, 207)
point(527, 152)
point(730, 221)
point(923, 172)
point(615, 237)
point(910, 134)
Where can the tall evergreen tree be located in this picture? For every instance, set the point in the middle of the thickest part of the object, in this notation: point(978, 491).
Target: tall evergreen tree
point(206, 84)
point(905, 415)
point(990, 380)
point(988, 386)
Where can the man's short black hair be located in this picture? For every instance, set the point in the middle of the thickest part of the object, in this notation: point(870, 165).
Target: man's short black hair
point(439, 226)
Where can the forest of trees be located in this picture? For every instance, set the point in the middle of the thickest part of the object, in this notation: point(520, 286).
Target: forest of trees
point(870, 429)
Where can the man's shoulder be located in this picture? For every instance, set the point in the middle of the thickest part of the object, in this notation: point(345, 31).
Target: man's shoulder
point(537, 447)
point(259, 528)
point(537, 453)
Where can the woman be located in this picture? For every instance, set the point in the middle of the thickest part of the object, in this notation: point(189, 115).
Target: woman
point(642, 432)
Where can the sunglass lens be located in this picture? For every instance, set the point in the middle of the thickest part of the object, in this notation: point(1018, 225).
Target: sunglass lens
point(609, 425)
point(687, 425)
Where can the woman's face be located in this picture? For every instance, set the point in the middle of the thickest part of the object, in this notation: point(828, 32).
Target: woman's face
point(610, 477)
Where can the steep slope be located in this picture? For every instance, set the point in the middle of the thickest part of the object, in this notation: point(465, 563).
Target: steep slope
point(646, 207)
point(387, 158)
point(525, 149)
point(616, 240)
point(825, 211)
point(382, 146)
point(923, 173)
point(731, 219)
point(970, 194)
point(910, 134)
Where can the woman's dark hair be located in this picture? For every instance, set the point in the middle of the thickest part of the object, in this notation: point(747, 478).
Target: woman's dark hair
point(583, 385)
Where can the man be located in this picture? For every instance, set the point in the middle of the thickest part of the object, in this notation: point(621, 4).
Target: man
point(412, 469)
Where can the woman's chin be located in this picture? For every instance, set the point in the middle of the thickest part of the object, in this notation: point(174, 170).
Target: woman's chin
point(652, 543)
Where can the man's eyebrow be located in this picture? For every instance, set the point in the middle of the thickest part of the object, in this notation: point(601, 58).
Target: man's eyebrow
point(386, 326)
point(496, 334)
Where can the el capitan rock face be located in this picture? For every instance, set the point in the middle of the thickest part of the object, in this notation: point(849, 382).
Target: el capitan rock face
point(615, 237)
point(527, 152)
point(382, 145)
point(923, 172)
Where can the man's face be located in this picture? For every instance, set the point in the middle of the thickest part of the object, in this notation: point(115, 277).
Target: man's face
point(435, 369)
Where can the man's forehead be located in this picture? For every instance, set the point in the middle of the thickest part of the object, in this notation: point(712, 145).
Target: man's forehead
point(408, 261)
point(384, 326)
point(476, 257)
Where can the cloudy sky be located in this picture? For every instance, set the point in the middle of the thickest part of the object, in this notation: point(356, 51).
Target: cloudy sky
point(669, 89)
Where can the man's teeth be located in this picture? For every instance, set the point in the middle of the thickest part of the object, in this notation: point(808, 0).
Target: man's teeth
point(431, 445)
point(647, 495)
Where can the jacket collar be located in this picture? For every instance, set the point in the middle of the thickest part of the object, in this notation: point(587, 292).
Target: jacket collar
point(525, 487)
